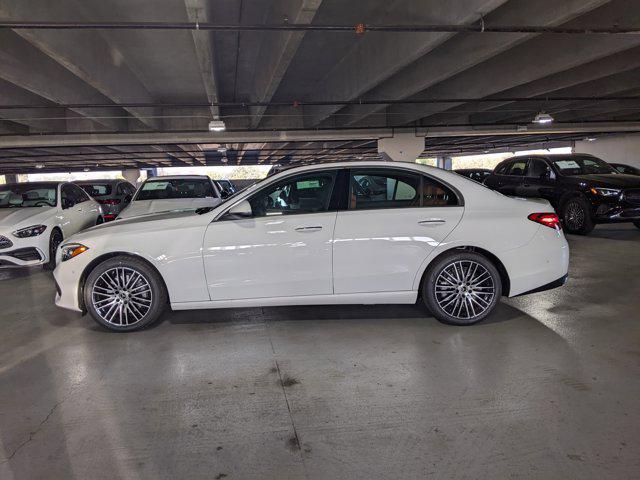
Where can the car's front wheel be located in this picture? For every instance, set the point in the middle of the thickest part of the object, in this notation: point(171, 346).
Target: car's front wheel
point(124, 294)
point(576, 217)
point(54, 242)
point(462, 288)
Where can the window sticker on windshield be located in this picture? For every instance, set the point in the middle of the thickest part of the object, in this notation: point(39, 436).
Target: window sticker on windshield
point(567, 164)
point(155, 186)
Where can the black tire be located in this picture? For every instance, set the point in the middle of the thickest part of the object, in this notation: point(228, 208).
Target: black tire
point(576, 216)
point(637, 223)
point(54, 242)
point(99, 220)
point(157, 297)
point(438, 289)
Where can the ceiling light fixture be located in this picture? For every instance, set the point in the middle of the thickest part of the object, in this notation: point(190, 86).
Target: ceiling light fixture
point(217, 125)
point(39, 166)
point(222, 149)
point(543, 119)
point(590, 139)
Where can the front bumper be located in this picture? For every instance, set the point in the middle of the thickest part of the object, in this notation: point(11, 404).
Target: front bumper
point(25, 252)
point(623, 208)
point(68, 279)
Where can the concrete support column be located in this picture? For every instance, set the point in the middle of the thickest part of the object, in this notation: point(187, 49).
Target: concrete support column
point(444, 163)
point(402, 147)
point(618, 149)
point(131, 175)
point(10, 178)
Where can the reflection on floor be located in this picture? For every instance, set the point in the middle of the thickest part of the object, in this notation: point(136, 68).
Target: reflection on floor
point(548, 388)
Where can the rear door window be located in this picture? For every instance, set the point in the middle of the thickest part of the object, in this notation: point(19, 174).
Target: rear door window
point(517, 168)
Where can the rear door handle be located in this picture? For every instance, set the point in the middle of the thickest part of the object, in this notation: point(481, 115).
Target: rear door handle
point(308, 229)
point(432, 221)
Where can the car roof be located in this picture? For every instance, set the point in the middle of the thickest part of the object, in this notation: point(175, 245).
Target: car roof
point(179, 177)
point(42, 182)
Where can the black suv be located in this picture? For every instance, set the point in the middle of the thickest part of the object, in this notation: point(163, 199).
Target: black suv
point(583, 189)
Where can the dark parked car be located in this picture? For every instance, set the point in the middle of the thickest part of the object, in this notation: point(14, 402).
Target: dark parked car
point(477, 174)
point(628, 169)
point(113, 195)
point(583, 189)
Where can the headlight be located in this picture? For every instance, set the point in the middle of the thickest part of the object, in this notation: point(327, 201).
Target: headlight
point(72, 250)
point(32, 231)
point(606, 192)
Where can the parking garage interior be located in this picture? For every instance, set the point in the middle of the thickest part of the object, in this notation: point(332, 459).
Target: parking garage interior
point(545, 388)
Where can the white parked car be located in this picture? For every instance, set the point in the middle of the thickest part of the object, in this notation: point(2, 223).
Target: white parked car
point(179, 192)
point(36, 217)
point(344, 233)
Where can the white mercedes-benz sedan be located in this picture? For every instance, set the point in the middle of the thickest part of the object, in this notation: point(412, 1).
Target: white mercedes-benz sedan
point(36, 217)
point(342, 233)
point(172, 193)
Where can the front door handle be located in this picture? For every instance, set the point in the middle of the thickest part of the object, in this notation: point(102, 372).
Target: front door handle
point(308, 229)
point(432, 221)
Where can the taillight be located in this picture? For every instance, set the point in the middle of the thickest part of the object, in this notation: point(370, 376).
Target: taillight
point(547, 219)
point(110, 201)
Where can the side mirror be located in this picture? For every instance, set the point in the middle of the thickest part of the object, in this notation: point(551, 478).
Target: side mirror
point(241, 210)
point(67, 203)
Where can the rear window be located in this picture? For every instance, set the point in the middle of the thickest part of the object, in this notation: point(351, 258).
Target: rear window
point(97, 189)
point(176, 188)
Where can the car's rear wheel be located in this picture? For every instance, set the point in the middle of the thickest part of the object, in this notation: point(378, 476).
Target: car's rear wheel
point(462, 288)
point(99, 220)
point(54, 242)
point(124, 294)
point(576, 216)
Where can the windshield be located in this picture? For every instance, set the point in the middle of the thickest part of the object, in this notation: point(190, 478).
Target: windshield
point(176, 188)
point(583, 166)
point(96, 189)
point(28, 195)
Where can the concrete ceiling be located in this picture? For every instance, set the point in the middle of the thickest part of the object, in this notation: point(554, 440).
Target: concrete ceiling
point(122, 81)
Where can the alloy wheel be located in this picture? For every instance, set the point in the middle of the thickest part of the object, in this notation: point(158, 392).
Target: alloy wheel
point(122, 296)
point(464, 289)
point(574, 216)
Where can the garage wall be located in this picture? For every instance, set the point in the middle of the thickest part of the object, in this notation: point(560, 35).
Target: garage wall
point(619, 149)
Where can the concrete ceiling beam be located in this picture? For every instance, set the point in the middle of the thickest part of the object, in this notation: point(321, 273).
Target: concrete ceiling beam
point(23, 65)
point(84, 53)
point(377, 57)
point(197, 11)
point(465, 51)
point(278, 49)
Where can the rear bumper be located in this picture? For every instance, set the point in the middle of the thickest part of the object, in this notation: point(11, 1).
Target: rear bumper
point(538, 264)
point(549, 286)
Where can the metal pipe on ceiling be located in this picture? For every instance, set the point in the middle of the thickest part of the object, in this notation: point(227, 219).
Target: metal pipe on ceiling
point(315, 103)
point(476, 27)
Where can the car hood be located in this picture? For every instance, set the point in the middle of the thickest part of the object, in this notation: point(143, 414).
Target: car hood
point(11, 217)
point(159, 222)
point(147, 207)
point(613, 180)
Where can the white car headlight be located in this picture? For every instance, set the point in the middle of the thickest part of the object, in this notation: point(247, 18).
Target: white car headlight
point(32, 231)
point(72, 250)
point(606, 192)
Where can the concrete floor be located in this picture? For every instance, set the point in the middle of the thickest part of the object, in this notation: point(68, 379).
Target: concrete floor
point(549, 388)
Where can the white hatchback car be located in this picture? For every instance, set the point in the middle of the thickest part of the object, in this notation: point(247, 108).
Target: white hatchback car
point(172, 193)
point(343, 233)
point(35, 218)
